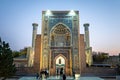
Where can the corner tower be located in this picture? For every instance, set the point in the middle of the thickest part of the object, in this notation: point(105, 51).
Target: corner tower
point(31, 50)
point(88, 49)
point(35, 25)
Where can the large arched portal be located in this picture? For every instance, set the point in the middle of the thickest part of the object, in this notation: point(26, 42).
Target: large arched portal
point(60, 50)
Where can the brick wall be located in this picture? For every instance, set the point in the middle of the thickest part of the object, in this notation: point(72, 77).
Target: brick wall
point(82, 54)
point(100, 71)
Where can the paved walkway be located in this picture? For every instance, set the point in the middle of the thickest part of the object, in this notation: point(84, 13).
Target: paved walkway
point(60, 78)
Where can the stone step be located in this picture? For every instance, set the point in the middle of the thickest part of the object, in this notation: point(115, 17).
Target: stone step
point(60, 78)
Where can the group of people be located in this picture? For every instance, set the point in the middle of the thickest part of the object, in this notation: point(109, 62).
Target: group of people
point(60, 72)
point(43, 74)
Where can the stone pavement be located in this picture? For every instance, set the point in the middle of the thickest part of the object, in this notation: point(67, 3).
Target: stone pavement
point(60, 78)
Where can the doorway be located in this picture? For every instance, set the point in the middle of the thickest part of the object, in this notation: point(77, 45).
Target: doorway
point(60, 65)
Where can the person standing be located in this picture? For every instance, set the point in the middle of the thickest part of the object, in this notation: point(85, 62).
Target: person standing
point(57, 72)
point(74, 74)
point(37, 75)
point(64, 77)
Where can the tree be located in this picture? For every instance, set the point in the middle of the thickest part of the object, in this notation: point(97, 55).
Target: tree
point(119, 57)
point(23, 51)
point(100, 57)
point(7, 68)
point(15, 54)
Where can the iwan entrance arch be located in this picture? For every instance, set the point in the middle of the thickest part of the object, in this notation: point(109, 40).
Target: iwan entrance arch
point(60, 42)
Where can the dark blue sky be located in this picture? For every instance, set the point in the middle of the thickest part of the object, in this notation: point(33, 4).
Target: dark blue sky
point(17, 16)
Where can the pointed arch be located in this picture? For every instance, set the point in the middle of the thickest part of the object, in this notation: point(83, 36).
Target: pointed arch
point(59, 24)
point(60, 35)
point(59, 56)
point(60, 60)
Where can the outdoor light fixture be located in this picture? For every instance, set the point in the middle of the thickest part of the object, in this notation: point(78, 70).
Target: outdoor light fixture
point(48, 13)
point(72, 13)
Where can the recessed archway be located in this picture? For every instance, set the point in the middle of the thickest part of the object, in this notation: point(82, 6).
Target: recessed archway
point(60, 64)
point(60, 36)
point(60, 61)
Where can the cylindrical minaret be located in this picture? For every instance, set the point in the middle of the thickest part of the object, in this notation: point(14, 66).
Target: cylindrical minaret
point(35, 25)
point(86, 27)
point(88, 49)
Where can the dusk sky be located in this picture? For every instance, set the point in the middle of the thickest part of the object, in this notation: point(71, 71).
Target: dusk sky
point(17, 16)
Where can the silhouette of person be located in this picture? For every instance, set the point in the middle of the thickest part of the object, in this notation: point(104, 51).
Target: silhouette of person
point(40, 75)
point(37, 75)
point(57, 72)
point(47, 73)
point(61, 71)
point(64, 77)
point(74, 74)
